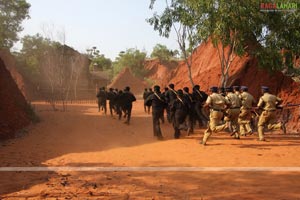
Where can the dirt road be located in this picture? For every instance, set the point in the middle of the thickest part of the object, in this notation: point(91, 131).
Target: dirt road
point(83, 137)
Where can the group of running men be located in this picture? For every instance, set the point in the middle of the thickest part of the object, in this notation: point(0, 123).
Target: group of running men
point(229, 108)
point(120, 102)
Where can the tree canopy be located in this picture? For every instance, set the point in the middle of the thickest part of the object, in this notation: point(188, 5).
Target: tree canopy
point(12, 13)
point(162, 53)
point(99, 61)
point(238, 25)
point(32, 55)
point(133, 59)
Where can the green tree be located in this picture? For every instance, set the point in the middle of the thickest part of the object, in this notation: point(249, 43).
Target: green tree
point(99, 61)
point(31, 55)
point(161, 52)
point(102, 63)
point(133, 59)
point(235, 28)
point(12, 13)
point(179, 16)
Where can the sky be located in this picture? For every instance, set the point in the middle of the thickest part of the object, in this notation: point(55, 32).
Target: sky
point(110, 25)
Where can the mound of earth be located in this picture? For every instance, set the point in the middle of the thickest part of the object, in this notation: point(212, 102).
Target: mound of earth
point(126, 78)
point(14, 110)
point(159, 72)
point(244, 71)
point(10, 63)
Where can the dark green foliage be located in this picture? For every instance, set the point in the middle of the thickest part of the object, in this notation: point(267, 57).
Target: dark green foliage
point(12, 13)
point(162, 53)
point(240, 25)
point(133, 59)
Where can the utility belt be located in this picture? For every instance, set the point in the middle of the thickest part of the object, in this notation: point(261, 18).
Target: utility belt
point(219, 110)
point(246, 108)
point(235, 108)
point(270, 110)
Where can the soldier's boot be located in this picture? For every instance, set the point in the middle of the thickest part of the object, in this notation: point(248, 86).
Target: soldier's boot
point(205, 137)
point(177, 133)
point(260, 130)
point(236, 135)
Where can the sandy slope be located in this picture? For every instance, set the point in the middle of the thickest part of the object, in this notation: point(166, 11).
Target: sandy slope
point(84, 137)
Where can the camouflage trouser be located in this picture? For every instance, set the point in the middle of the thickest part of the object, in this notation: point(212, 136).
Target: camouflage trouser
point(245, 121)
point(267, 118)
point(232, 119)
point(215, 118)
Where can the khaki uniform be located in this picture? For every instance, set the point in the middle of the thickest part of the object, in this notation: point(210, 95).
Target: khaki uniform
point(233, 112)
point(238, 94)
point(245, 114)
point(268, 117)
point(217, 104)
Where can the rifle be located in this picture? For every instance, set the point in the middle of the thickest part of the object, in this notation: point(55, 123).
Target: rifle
point(287, 106)
point(280, 107)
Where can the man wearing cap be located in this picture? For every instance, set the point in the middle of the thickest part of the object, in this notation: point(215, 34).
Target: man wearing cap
point(268, 103)
point(233, 111)
point(217, 104)
point(245, 114)
point(236, 90)
point(158, 102)
point(127, 98)
point(179, 109)
point(222, 91)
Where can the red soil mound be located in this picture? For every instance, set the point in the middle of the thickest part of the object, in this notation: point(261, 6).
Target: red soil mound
point(14, 108)
point(244, 71)
point(126, 78)
point(159, 72)
point(206, 69)
point(10, 64)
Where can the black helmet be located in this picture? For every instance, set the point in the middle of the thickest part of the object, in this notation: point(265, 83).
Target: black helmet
point(196, 87)
point(171, 85)
point(156, 88)
point(179, 92)
point(127, 88)
point(214, 89)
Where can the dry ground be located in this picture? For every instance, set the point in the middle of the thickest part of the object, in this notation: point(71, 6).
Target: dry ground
point(84, 137)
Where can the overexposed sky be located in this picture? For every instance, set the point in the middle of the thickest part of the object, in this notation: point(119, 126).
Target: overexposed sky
point(110, 25)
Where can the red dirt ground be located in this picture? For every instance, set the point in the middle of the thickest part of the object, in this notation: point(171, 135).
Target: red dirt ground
point(84, 137)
